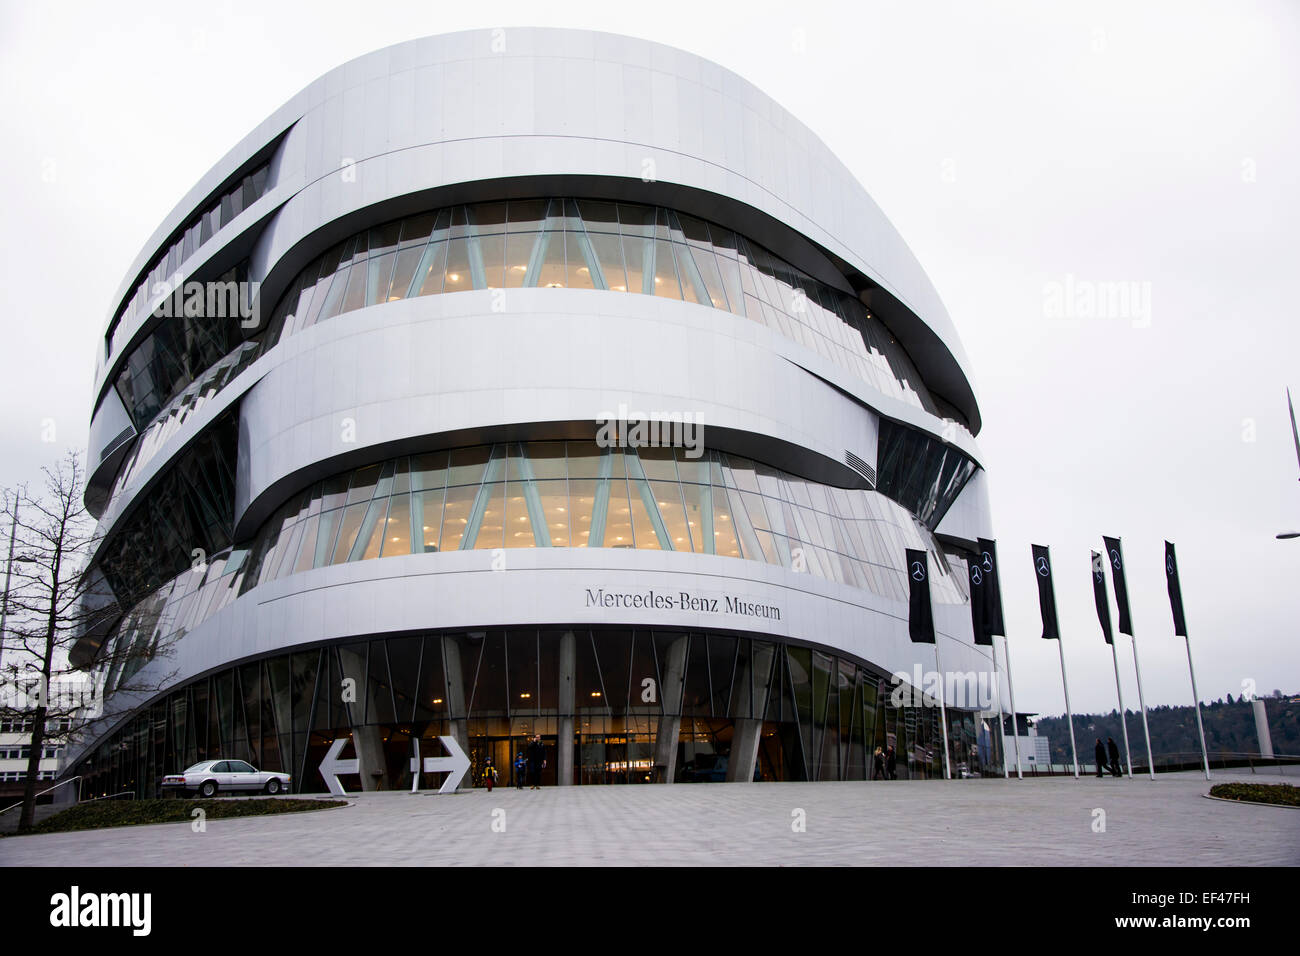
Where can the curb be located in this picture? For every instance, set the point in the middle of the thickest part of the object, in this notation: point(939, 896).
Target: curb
point(1250, 803)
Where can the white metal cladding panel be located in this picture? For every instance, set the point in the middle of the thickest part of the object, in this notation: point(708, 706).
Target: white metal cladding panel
point(449, 109)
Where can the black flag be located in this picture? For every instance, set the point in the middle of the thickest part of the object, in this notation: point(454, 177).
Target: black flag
point(1115, 555)
point(978, 599)
point(1175, 592)
point(920, 619)
point(988, 559)
point(1046, 595)
point(1099, 596)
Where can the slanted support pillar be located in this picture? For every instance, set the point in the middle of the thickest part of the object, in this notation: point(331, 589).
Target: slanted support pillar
point(670, 724)
point(365, 738)
point(751, 687)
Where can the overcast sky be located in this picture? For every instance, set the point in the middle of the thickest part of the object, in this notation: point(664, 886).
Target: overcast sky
point(1022, 149)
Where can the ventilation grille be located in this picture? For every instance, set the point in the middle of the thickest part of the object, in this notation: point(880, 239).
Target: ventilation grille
point(861, 467)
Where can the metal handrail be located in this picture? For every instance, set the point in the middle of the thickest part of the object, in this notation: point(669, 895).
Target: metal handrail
point(44, 792)
point(107, 796)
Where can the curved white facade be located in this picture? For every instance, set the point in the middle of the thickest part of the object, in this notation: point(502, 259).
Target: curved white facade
point(456, 122)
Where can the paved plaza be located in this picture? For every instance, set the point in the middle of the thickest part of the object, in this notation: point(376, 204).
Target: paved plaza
point(1044, 821)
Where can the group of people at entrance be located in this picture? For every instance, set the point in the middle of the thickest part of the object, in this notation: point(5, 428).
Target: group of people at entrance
point(1107, 755)
point(884, 763)
point(529, 763)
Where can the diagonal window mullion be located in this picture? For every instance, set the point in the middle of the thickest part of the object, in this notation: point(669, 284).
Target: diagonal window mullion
point(600, 502)
point(637, 475)
point(491, 476)
point(533, 500)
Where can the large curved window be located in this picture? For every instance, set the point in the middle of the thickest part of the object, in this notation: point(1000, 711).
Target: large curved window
point(586, 244)
point(575, 494)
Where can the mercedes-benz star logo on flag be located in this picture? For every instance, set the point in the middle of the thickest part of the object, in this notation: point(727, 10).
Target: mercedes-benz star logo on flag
point(1114, 558)
point(918, 571)
point(976, 574)
point(1042, 567)
point(988, 561)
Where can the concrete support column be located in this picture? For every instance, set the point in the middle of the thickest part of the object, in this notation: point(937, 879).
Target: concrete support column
point(564, 728)
point(745, 739)
point(456, 692)
point(749, 695)
point(670, 724)
point(1261, 728)
point(365, 739)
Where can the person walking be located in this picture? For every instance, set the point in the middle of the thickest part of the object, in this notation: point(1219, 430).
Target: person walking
point(536, 761)
point(1100, 753)
point(1114, 757)
point(521, 768)
point(878, 765)
point(891, 763)
point(489, 774)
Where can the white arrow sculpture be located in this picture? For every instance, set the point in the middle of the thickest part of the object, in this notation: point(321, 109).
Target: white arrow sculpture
point(332, 766)
point(455, 765)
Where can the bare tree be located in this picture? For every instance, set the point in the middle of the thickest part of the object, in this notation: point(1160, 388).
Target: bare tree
point(50, 603)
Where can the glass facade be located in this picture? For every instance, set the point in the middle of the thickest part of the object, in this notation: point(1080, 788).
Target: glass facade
point(586, 244)
point(576, 494)
point(198, 230)
point(175, 354)
point(821, 715)
point(191, 508)
point(919, 471)
point(178, 412)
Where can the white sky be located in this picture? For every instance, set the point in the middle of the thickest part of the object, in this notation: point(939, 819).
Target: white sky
point(1012, 144)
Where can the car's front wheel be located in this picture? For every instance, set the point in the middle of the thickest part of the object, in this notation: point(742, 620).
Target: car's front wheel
point(273, 786)
point(208, 789)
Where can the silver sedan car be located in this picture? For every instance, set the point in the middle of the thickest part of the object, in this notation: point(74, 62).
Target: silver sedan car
point(209, 777)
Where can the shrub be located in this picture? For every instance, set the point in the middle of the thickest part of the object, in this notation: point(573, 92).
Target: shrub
point(128, 813)
point(1282, 794)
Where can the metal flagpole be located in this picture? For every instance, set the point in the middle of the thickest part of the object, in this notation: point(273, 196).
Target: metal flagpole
point(1002, 724)
point(1015, 721)
point(1069, 716)
point(4, 608)
point(943, 712)
point(1151, 764)
point(1205, 757)
point(1123, 723)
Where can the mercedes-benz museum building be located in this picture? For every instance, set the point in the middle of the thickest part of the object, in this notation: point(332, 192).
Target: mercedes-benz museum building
point(555, 383)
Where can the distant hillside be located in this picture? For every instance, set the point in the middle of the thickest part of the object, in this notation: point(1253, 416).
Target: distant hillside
point(1229, 726)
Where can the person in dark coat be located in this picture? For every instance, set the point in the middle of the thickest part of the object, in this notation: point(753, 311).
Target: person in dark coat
point(878, 765)
point(1100, 752)
point(536, 761)
point(891, 763)
point(1114, 757)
